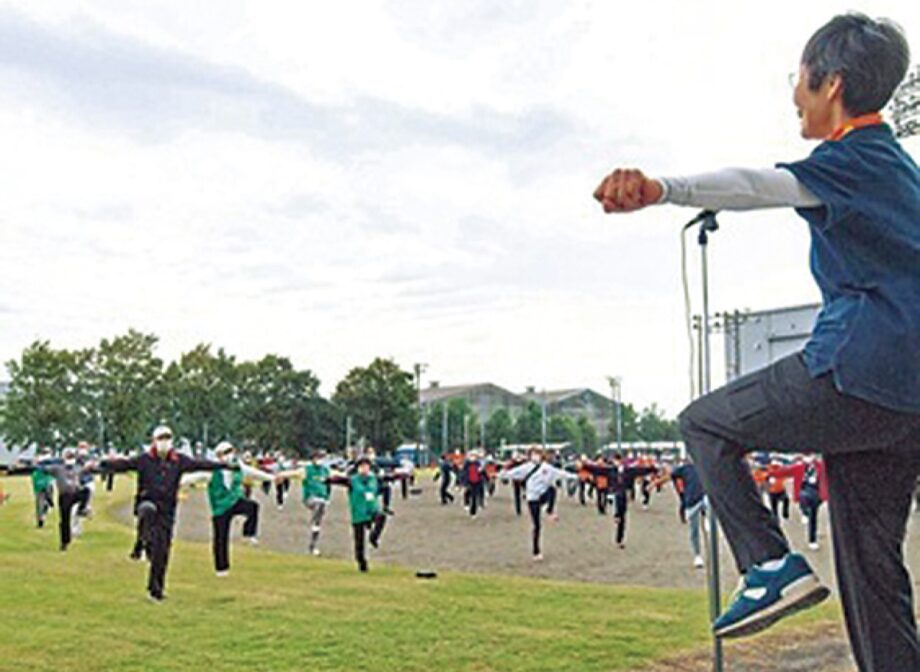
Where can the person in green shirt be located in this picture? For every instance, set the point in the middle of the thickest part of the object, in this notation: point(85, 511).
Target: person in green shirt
point(225, 496)
point(315, 493)
point(43, 489)
point(364, 506)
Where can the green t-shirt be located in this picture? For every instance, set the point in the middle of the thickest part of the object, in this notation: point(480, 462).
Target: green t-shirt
point(40, 480)
point(314, 482)
point(220, 497)
point(362, 498)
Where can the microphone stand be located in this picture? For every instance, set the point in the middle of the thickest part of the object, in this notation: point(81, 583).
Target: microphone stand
point(708, 224)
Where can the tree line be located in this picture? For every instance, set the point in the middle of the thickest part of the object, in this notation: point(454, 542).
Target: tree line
point(115, 393)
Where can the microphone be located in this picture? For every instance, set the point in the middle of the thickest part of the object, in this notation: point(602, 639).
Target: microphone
point(708, 216)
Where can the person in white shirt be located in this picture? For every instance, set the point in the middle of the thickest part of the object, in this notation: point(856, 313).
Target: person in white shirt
point(538, 478)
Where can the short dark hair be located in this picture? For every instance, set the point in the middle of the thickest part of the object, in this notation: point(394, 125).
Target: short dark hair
point(870, 56)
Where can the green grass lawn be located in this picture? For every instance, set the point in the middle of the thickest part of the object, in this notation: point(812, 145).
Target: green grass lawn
point(86, 609)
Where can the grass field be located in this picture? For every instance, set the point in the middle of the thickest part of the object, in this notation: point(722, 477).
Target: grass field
point(86, 610)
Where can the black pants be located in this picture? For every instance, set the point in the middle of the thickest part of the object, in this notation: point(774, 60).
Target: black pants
point(872, 457)
point(446, 497)
point(549, 500)
point(582, 486)
point(646, 492)
point(779, 504)
point(156, 530)
point(810, 504)
point(620, 508)
point(601, 500)
point(386, 495)
point(220, 538)
point(360, 530)
point(518, 492)
point(476, 494)
point(280, 490)
point(66, 502)
point(109, 481)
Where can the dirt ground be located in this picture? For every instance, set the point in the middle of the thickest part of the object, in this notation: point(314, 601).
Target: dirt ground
point(423, 534)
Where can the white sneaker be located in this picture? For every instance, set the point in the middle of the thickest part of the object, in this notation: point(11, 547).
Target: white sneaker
point(222, 573)
point(538, 557)
point(814, 545)
point(316, 551)
point(698, 562)
point(253, 541)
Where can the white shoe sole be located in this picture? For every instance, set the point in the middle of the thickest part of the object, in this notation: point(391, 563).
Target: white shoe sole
point(799, 595)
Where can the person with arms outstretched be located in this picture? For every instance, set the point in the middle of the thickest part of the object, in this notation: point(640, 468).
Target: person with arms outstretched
point(853, 393)
point(159, 472)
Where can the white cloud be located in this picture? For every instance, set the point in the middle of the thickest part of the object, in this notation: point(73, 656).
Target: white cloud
point(389, 178)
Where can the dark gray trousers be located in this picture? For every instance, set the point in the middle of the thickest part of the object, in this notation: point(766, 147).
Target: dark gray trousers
point(872, 456)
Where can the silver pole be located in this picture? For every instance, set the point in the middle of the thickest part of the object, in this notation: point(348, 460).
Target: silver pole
point(445, 435)
point(715, 601)
point(543, 420)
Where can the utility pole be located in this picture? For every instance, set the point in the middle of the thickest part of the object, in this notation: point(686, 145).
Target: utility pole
point(445, 433)
point(543, 418)
point(347, 435)
point(419, 368)
point(615, 394)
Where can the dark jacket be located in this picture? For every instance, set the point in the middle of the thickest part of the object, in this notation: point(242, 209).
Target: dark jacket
point(158, 478)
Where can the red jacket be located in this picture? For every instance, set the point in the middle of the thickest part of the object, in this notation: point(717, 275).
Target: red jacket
point(797, 472)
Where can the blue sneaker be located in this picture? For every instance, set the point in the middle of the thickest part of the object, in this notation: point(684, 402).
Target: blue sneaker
point(764, 597)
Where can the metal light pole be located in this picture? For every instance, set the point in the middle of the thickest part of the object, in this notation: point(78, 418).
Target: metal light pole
point(445, 434)
point(543, 419)
point(708, 224)
point(347, 435)
point(419, 368)
point(615, 394)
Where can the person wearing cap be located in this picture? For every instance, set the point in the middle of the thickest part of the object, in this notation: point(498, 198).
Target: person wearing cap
point(315, 477)
point(364, 506)
point(67, 475)
point(226, 499)
point(473, 475)
point(537, 478)
point(159, 472)
point(87, 481)
point(43, 489)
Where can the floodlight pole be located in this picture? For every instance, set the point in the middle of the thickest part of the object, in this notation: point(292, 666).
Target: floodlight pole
point(708, 224)
point(421, 417)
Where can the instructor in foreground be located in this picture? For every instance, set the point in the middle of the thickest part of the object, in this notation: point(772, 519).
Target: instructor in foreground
point(853, 393)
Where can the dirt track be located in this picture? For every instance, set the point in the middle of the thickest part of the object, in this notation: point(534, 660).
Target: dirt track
point(424, 534)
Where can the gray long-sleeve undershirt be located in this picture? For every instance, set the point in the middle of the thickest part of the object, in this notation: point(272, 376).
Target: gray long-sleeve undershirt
point(738, 189)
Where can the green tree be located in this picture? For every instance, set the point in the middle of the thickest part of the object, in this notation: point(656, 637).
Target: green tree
point(40, 404)
point(201, 390)
point(654, 426)
point(125, 379)
point(589, 439)
point(381, 401)
point(630, 420)
point(563, 429)
point(499, 429)
point(276, 404)
point(528, 427)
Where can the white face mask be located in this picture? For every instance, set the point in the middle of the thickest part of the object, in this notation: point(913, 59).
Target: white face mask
point(163, 446)
point(70, 461)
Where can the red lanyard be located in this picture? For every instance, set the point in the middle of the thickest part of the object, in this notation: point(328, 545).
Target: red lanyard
point(872, 119)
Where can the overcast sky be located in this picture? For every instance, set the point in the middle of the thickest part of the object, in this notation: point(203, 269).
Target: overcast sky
point(338, 181)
